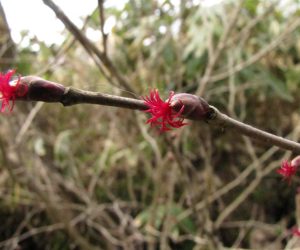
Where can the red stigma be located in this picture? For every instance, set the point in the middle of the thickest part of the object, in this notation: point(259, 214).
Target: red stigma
point(162, 112)
point(9, 91)
point(287, 170)
point(295, 231)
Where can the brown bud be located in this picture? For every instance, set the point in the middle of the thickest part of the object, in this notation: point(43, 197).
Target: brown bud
point(195, 107)
point(42, 90)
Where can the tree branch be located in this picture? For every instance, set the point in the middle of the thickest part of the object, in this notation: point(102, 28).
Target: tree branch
point(218, 51)
point(46, 91)
point(260, 54)
point(225, 121)
point(74, 96)
point(88, 45)
point(102, 21)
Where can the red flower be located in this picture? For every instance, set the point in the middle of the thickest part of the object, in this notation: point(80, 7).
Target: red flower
point(295, 231)
point(287, 171)
point(9, 90)
point(162, 113)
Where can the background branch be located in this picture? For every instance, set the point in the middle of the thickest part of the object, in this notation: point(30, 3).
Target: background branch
point(88, 45)
point(102, 21)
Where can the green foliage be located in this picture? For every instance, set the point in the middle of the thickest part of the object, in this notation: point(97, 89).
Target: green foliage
point(251, 6)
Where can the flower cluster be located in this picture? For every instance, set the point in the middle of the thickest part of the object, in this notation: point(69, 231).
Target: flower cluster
point(163, 115)
point(295, 231)
point(10, 90)
point(287, 170)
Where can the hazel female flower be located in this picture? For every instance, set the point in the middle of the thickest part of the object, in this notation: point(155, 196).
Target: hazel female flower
point(10, 90)
point(163, 115)
point(295, 231)
point(287, 170)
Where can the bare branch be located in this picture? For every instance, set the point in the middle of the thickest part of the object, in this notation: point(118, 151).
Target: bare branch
point(215, 56)
point(42, 90)
point(88, 45)
point(102, 21)
point(260, 54)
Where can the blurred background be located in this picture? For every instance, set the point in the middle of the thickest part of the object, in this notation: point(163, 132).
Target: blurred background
point(95, 177)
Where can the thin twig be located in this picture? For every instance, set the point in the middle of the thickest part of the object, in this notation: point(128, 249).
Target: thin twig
point(88, 45)
point(28, 121)
point(260, 54)
point(254, 133)
point(32, 232)
point(102, 21)
point(236, 182)
point(64, 48)
point(246, 31)
point(244, 194)
point(77, 96)
point(218, 51)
